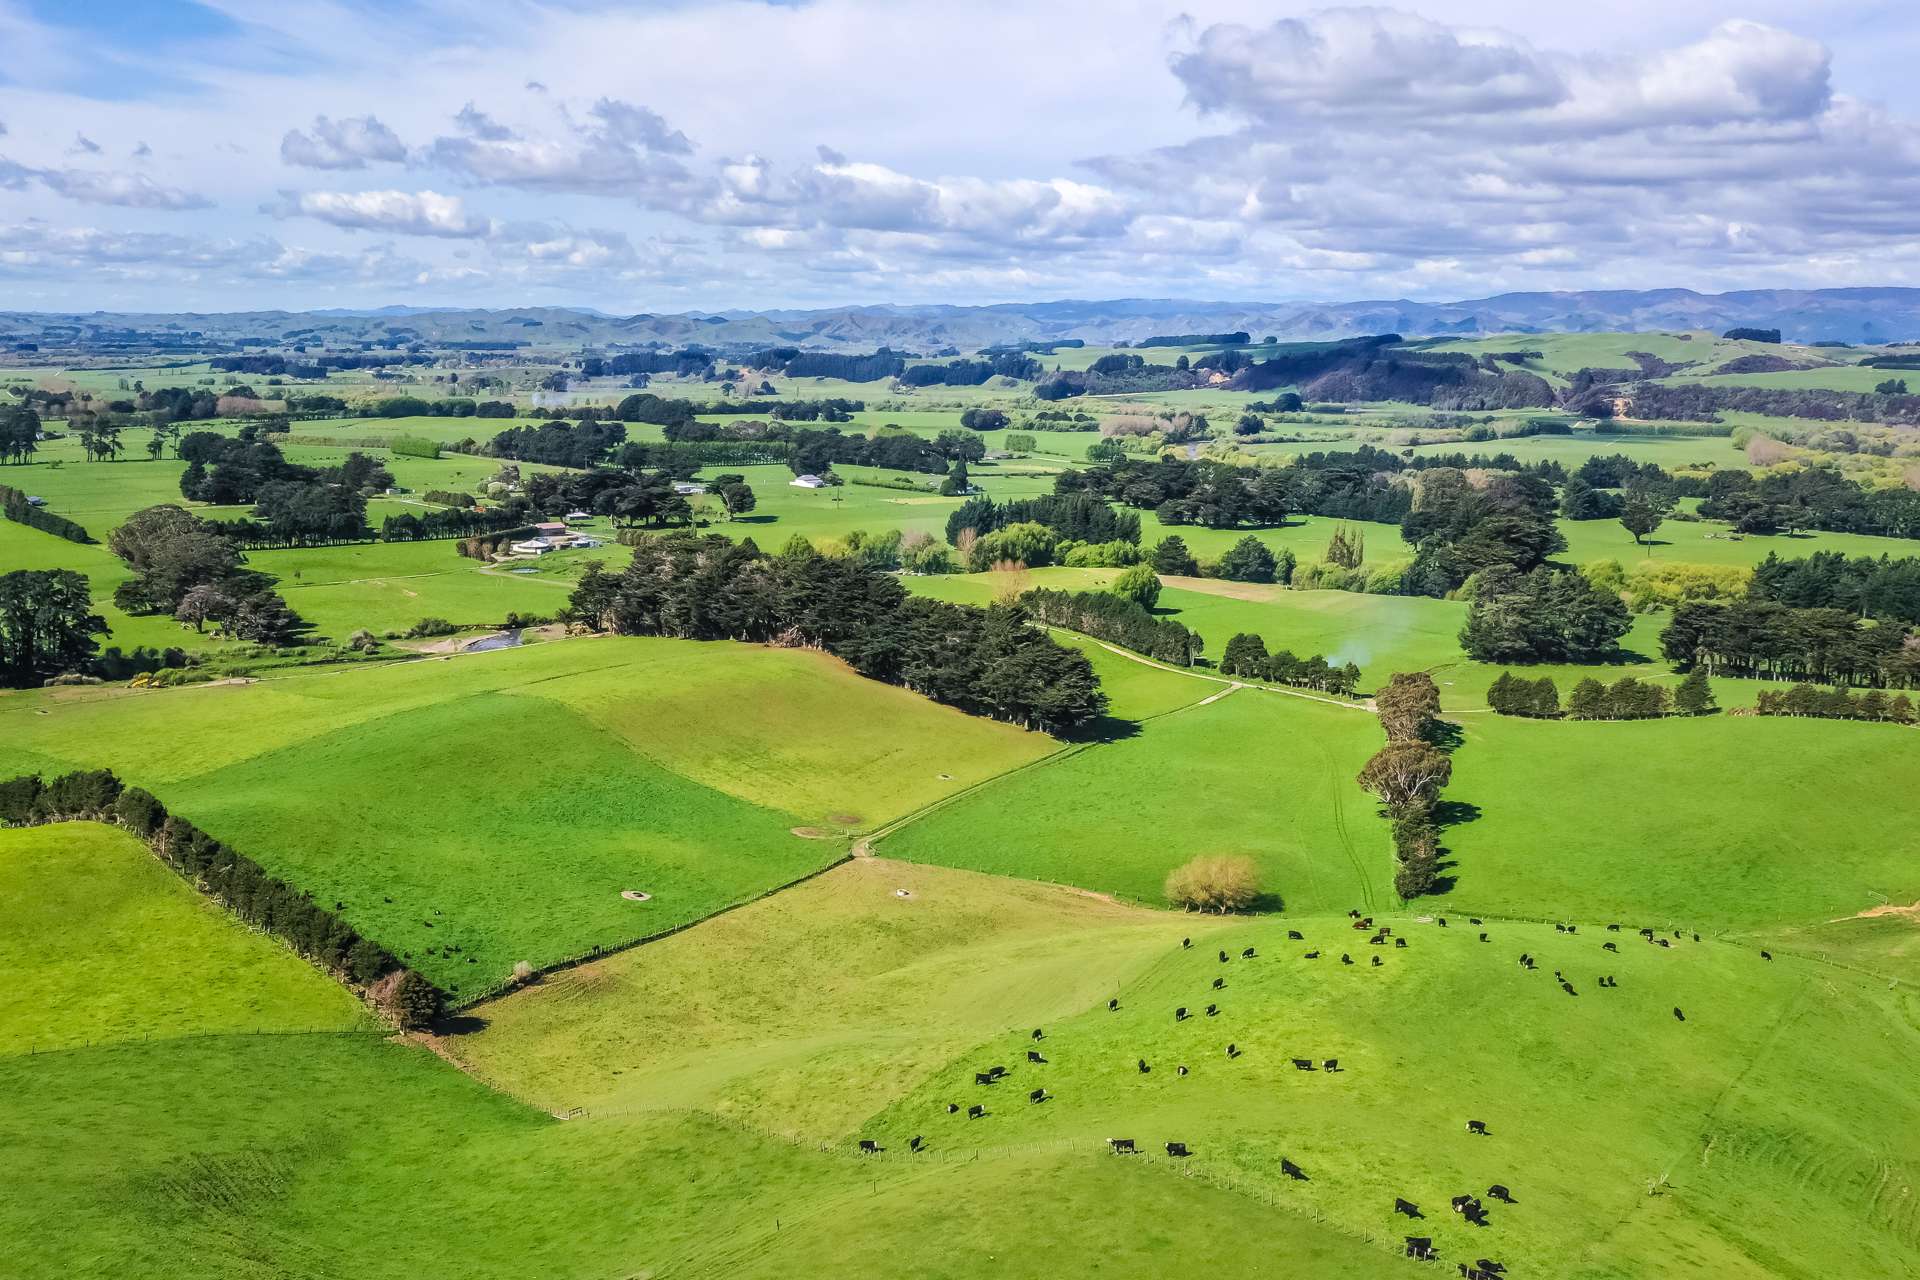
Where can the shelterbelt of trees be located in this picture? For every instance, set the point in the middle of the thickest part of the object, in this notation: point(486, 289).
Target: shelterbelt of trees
point(989, 661)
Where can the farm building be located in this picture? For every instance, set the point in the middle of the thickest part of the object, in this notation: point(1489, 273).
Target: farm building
point(807, 482)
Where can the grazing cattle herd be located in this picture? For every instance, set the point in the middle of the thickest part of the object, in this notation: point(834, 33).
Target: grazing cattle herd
point(1467, 1206)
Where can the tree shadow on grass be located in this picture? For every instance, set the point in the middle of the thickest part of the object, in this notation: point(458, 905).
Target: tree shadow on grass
point(1445, 735)
point(1453, 813)
point(1103, 729)
point(459, 1024)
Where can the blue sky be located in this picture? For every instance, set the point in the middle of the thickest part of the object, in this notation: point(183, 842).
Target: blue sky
point(220, 154)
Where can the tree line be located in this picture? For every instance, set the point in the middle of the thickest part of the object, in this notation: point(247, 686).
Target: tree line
point(990, 661)
point(1881, 588)
point(1624, 699)
point(15, 507)
point(1246, 657)
point(239, 884)
point(1408, 775)
point(1836, 704)
point(1117, 620)
point(1767, 640)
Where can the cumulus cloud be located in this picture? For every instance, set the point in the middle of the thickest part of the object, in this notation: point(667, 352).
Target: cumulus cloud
point(414, 213)
point(83, 146)
point(342, 144)
point(619, 149)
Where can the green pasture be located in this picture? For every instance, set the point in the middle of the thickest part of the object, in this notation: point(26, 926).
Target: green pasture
point(1717, 823)
point(1622, 1132)
point(889, 971)
point(101, 942)
point(1253, 773)
point(473, 812)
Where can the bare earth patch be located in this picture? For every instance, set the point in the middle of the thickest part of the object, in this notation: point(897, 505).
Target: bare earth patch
point(1253, 592)
point(1910, 914)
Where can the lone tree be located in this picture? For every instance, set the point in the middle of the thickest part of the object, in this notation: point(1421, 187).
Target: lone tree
point(1219, 883)
point(1643, 512)
point(1347, 548)
point(1406, 776)
point(1407, 705)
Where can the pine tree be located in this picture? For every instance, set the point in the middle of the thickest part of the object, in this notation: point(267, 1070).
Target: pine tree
point(1503, 694)
point(1694, 697)
point(1588, 700)
point(1545, 699)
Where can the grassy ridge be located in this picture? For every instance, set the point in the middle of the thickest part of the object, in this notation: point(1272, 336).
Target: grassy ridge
point(501, 803)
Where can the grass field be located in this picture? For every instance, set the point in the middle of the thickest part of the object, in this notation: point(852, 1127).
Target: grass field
point(1254, 773)
point(102, 943)
point(478, 811)
point(1734, 823)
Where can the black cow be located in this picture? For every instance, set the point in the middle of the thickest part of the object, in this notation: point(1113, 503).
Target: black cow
point(1613, 928)
point(1608, 946)
point(1178, 1149)
point(1292, 1170)
point(1352, 914)
point(1038, 1034)
point(1223, 957)
point(975, 1111)
point(997, 1072)
point(984, 1077)
point(1247, 954)
point(1294, 935)
point(1331, 1064)
point(1033, 1055)
point(1696, 937)
point(1442, 922)
point(952, 1107)
point(1500, 1193)
point(868, 1146)
point(1311, 955)
point(1489, 1266)
point(1303, 1064)
point(1766, 955)
point(1219, 983)
point(1407, 1207)
point(1120, 1146)
point(1477, 1126)
point(915, 1142)
point(1558, 927)
point(1113, 1004)
point(1144, 1068)
point(1212, 1009)
point(1647, 934)
point(1484, 938)
point(1399, 942)
point(1180, 1070)
point(1420, 1247)
point(1526, 959)
point(1377, 962)
point(1460, 1202)
point(1180, 1014)
point(1185, 943)
point(1568, 988)
point(1376, 941)
point(1475, 1214)
point(1473, 919)
point(1345, 958)
point(1678, 1016)
point(1038, 1095)
point(1665, 943)
point(1233, 1051)
point(1573, 928)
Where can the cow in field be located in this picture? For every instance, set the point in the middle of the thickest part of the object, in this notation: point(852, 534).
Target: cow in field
point(1406, 1207)
point(1178, 1150)
point(1120, 1146)
point(1477, 1126)
point(868, 1146)
point(975, 1111)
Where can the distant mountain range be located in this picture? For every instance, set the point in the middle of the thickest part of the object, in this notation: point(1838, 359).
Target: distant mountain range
point(1803, 315)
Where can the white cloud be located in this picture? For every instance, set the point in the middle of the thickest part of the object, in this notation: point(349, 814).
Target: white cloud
point(132, 190)
point(342, 144)
point(414, 213)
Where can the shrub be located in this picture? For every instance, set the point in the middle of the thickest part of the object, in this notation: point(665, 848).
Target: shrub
point(1218, 883)
point(82, 794)
point(1139, 583)
point(430, 627)
point(20, 799)
point(367, 961)
point(413, 1002)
